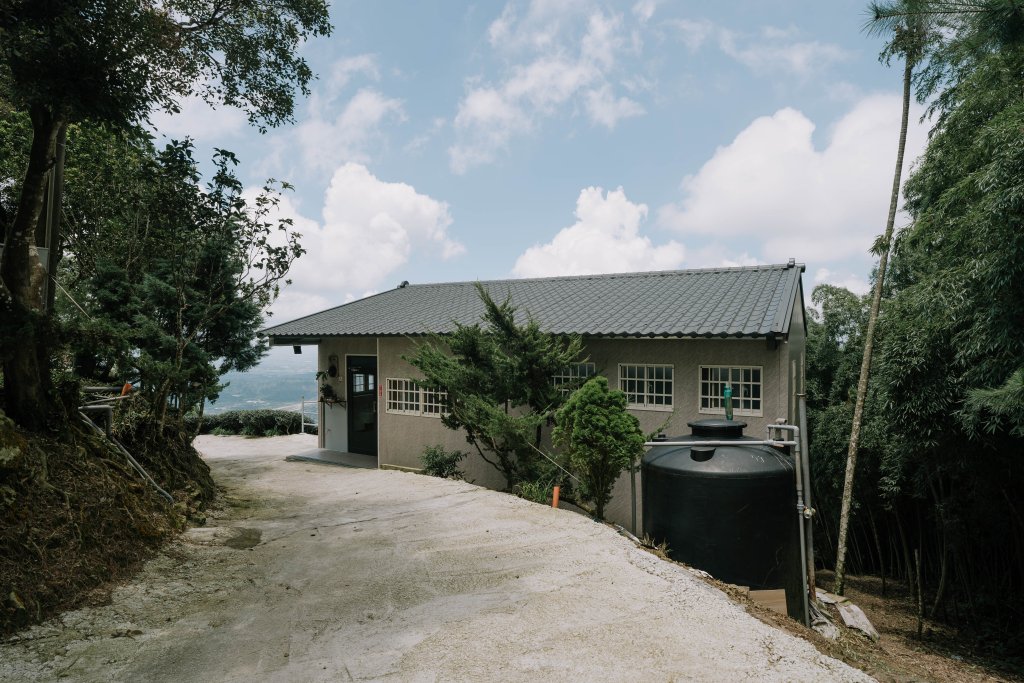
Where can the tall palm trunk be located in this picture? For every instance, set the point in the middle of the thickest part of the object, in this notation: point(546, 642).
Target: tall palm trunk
point(869, 340)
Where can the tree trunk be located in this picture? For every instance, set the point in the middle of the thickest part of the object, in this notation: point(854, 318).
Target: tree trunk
point(943, 540)
point(878, 547)
point(907, 557)
point(25, 342)
point(869, 341)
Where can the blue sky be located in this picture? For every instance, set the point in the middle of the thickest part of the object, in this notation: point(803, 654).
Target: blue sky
point(457, 141)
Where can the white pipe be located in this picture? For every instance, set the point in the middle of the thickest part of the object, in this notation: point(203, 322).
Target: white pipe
point(733, 442)
point(799, 453)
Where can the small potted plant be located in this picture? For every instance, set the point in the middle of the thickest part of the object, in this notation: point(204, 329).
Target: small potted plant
point(327, 393)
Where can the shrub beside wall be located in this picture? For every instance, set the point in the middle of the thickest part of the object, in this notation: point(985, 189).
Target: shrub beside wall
point(249, 423)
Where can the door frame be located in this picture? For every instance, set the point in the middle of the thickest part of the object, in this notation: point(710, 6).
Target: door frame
point(376, 398)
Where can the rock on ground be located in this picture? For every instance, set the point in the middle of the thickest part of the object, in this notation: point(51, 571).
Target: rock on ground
point(320, 573)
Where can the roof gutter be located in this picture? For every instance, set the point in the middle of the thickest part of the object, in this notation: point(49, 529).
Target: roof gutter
point(286, 340)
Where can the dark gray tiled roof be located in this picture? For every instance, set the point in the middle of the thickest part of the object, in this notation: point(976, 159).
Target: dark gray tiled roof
point(753, 301)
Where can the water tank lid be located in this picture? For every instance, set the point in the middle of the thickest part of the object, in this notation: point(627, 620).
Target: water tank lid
point(719, 428)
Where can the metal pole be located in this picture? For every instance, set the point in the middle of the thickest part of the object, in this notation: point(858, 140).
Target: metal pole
point(808, 518)
point(801, 514)
point(632, 493)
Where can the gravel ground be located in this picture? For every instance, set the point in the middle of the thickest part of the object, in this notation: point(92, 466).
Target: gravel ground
point(320, 573)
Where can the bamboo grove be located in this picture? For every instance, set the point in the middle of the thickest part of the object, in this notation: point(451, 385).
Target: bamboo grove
point(942, 441)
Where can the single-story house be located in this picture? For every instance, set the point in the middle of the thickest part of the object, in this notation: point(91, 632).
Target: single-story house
point(670, 340)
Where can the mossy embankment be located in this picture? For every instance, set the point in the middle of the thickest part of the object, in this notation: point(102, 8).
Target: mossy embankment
point(75, 516)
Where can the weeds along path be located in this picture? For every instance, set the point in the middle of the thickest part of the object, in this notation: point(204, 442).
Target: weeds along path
point(318, 573)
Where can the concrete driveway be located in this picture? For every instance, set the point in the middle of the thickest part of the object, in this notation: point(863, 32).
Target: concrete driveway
point(321, 573)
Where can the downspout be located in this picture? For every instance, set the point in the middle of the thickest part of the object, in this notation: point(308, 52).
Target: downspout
point(632, 493)
point(801, 511)
point(809, 513)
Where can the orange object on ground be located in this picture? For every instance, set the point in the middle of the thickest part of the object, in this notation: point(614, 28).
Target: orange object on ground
point(554, 496)
point(126, 389)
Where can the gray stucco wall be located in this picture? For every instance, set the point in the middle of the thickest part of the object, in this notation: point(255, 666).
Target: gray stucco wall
point(405, 436)
point(402, 438)
point(686, 356)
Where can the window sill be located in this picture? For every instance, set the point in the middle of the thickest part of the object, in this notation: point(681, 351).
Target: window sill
point(657, 409)
point(411, 414)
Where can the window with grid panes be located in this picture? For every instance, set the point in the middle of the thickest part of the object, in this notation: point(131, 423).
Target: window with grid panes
point(746, 389)
point(574, 376)
point(402, 396)
point(647, 386)
point(405, 397)
point(433, 402)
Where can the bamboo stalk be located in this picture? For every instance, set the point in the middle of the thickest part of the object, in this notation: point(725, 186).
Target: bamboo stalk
point(920, 598)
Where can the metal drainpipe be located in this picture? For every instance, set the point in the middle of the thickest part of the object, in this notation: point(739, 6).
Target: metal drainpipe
point(800, 511)
point(809, 509)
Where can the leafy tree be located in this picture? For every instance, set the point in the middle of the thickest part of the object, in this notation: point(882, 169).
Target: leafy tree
point(114, 61)
point(499, 382)
point(600, 438)
point(177, 304)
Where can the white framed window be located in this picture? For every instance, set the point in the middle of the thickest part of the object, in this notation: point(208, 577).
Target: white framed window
point(573, 376)
point(647, 386)
point(432, 402)
point(746, 389)
point(405, 397)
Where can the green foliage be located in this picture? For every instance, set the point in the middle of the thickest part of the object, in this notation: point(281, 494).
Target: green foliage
point(174, 278)
point(600, 438)
point(999, 409)
point(958, 309)
point(116, 60)
point(498, 377)
point(246, 423)
point(538, 491)
point(438, 462)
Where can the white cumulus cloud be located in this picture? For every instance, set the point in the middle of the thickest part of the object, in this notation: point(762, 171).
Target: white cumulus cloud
point(346, 135)
point(338, 125)
point(787, 198)
point(199, 120)
point(370, 228)
point(562, 57)
point(604, 239)
point(853, 282)
point(770, 51)
point(780, 50)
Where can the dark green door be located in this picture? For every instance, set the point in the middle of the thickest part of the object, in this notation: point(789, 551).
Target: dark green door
point(361, 377)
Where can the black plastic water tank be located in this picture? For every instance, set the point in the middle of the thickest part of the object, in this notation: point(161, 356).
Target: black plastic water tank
point(727, 509)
